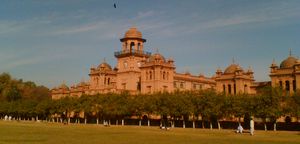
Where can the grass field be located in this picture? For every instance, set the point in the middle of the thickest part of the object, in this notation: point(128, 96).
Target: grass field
point(44, 133)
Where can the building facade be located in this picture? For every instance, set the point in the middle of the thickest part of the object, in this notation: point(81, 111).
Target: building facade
point(234, 80)
point(287, 75)
point(137, 71)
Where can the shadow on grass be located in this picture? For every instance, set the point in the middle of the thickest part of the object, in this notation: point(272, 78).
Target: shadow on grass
point(22, 140)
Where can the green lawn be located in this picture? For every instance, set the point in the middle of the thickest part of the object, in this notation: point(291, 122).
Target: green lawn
point(33, 132)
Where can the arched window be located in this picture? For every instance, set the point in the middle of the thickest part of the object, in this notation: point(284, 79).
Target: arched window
point(131, 46)
point(164, 75)
point(245, 89)
point(287, 85)
point(108, 81)
point(139, 47)
point(229, 89)
point(280, 84)
point(167, 75)
point(150, 75)
point(224, 88)
point(234, 88)
point(147, 75)
point(104, 80)
point(294, 85)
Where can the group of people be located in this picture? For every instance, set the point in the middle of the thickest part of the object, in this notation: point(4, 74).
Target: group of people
point(240, 128)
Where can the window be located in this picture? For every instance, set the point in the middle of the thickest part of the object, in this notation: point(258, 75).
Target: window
point(131, 46)
point(125, 64)
point(167, 75)
point(245, 89)
point(165, 88)
point(224, 88)
point(139, 64)
point(139, 47)
point(194, 86)
point(229, 89)
point(124, 86)
point(147, 75)
point(150, 75)
point(149, 89)
point(287, 85)
point(175, 85)
point(164, 75)
point(234, 88)
point(280, 84)
point(181, 85)
point(294, 85)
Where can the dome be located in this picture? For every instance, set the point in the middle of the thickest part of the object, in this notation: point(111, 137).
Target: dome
point(288, 62)
point(133, 33)
point(156, 57)
point(232, 68)
point(104, 66)
point(64, 87)
point(82, 84)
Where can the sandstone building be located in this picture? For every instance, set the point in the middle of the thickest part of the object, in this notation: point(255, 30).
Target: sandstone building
point(138, 71)
point(287, 75)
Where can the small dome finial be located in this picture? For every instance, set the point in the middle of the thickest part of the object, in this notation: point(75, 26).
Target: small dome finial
point(233, 61)
point(290, 52)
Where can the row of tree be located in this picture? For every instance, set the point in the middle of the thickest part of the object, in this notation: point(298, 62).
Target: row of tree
point(185, 106)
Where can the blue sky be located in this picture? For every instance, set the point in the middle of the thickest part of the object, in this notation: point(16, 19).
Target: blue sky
point(49, 42)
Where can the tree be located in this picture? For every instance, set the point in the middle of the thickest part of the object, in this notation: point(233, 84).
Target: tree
point(269, 105)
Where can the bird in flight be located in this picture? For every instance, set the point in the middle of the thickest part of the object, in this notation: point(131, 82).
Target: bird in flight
point(115, 6)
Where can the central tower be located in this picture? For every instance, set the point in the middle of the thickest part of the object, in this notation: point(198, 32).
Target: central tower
point(129, 60)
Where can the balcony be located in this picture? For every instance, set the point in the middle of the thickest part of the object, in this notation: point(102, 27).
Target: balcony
point(126, 53)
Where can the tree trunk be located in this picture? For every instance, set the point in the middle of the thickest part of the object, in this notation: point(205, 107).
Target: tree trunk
point(97, 121)
point(140, 122)
point(210, 124)
point(203, 124)
point(275, 125)
point(69, 119)
point(183, 124)
point(265, 124)
point(109, 122)
point(37, 118)
point(117, 122)
point(219, 125)
point(122, 122)
point(148, 122)
point(194, 126)
point(85, 120)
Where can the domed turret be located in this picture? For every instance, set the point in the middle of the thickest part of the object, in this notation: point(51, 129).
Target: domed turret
point(104, 67)
point(64, 87)
point(157, 58)
point(232, 68)
point(288, 62)
point(133, 33)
